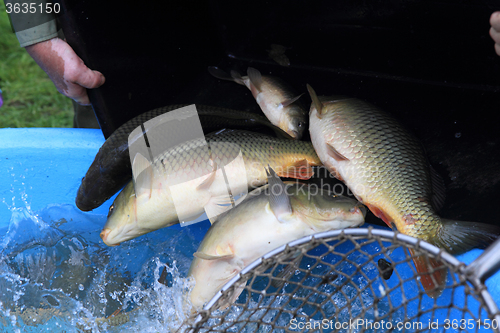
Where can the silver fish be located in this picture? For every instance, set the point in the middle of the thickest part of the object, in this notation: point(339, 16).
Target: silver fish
point(275, 98)
point(267, 218)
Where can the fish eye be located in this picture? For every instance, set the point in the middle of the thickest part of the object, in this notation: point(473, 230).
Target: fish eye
point(111, 208)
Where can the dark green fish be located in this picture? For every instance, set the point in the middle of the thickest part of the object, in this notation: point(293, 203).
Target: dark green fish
point(111, 169)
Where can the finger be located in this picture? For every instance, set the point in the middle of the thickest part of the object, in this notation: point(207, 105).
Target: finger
point(87, 78)
point(495, 35)
point(495, 21)
point(91, 79)
point(497, 49)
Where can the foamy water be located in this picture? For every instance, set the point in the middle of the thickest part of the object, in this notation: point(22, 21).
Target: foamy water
point(57, 275)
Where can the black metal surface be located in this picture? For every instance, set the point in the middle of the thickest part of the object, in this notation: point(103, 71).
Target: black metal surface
point(147, 51)
point(429, 63)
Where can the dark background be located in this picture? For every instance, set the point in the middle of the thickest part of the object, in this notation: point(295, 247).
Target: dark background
point(431, 64)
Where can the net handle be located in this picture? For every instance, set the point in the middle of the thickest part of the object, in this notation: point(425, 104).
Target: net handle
point(487, 264)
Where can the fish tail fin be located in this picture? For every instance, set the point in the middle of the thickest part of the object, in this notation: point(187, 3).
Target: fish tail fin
point(457, 237)
point(221, 75)
point(454, 237)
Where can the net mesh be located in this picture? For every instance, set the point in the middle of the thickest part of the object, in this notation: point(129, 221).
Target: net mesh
point(346, 283)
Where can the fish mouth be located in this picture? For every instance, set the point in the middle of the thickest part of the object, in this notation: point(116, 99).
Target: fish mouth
point(293, 133)
point(104, 235)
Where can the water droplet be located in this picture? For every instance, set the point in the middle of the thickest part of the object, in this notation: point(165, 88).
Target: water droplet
point(81, 287)
point(457, 135)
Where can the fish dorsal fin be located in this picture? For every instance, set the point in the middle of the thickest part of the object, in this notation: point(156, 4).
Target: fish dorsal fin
point(316, 102)
point(204, 256)
point(255, 78)
point(335, 154)
point(278, 198)
point(142, 172)
point(438, 189)
point(291, 101)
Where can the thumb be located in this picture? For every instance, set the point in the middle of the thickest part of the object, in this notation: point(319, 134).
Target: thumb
point(90, 79)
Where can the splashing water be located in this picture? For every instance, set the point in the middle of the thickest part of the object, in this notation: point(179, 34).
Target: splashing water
point(57, 275)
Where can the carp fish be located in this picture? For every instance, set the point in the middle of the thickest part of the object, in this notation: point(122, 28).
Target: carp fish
point(386, 169)
point(192, 178)
point(111, 170)
point(267, 218)
point(275, 98)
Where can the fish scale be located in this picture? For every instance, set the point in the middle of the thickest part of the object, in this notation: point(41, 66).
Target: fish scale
point(386, 169)
point(151, 202)
point(279, 152)
point(365, 142)
point(111, 169)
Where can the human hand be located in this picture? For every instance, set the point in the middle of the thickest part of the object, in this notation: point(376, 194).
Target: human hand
point(66, 69)
point(495, 30)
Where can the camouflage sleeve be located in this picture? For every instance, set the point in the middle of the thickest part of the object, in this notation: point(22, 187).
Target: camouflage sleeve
point(33, 21)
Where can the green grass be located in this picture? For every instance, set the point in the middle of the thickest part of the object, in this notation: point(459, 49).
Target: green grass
point(30, 98)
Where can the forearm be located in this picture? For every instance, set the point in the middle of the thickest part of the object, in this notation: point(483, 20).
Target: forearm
point(66, 69)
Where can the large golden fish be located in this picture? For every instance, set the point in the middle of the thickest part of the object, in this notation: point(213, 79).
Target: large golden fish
point(192, 178)
point(386, 169)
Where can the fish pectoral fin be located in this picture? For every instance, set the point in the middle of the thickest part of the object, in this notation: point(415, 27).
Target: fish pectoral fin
point(218, 205)
point(335, 154)
point(432, 273)
point(316, 102)
point(204, 256)
point(290, 101)
point(142, 172)
point(278, 198)
point(232, 297)
point(237, 77)
point(298, 170)
point(205, 185)
point(255, 78)
point(380, 214)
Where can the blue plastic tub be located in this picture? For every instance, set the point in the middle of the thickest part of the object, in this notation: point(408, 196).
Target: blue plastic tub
point(55, 272)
